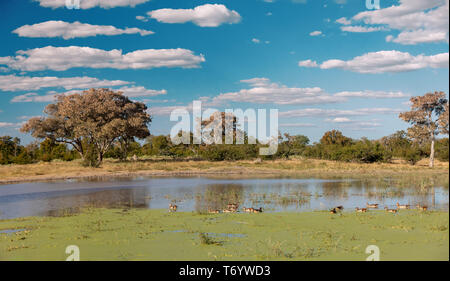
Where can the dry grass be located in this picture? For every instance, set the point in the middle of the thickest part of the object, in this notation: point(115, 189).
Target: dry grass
point(162, 167)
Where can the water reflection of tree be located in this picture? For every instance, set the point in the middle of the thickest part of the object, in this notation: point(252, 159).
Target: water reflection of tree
point(113, 198)
point(334, 190)
point(217, 196)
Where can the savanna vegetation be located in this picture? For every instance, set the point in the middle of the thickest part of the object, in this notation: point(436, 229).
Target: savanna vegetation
point(100, 123)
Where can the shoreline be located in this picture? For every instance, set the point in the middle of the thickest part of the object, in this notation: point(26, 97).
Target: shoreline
point(137, 174)
point(305, 168)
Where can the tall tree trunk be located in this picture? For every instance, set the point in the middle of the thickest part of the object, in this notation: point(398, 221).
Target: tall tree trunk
point(432, 152)
point(100, 158)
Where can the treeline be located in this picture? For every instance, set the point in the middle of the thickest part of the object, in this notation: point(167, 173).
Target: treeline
point(332, 146)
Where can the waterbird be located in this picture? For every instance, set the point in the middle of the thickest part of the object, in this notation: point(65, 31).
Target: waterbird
point(422, 207)
point(333, 211)
point(402, 206)
point(360, 210)
point(257, 210)
point(232, 206)
point(391, 210)
point(173, 208)
point(375, 206)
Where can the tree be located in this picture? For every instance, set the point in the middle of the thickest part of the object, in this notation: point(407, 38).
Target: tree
point(92, 121)
point(443, 120)
point(425, 118)
point(335, 137)
point(218, 122)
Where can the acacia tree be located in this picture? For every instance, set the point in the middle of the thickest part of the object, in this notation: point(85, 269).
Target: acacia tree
point(428, 117)
point(91, 121)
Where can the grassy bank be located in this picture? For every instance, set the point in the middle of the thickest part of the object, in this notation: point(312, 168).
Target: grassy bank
point(159, 167)
point(116, 234)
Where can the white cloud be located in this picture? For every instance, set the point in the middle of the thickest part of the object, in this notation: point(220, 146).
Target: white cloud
point(361, 29)
point(63, 58)
point(339, 120)
point(256, 41)
point(166, 110)
point(418, 36)
point(88, 4)
point(131, 92)
point(76, 29)
point(27, 83)
point(208, 15)
point(264, 91)
point(418, 21)
point(142, 18)
point(134, 92)
point(27, 117)
point(316, 33)
point(307, 63)
point(385, 61)
point(372, 94)
point(7, 124)
point(34, 97)
point(344, 122)
point(319, 112)
point(344, 21)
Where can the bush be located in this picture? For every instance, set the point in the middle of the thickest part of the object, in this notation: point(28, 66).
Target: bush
point(442, 147)
point(90, 156)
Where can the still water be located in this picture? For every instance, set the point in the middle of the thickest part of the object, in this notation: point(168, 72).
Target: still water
point(202, 194)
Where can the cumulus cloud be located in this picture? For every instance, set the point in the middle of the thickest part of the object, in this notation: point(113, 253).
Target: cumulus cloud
point(88, 4)
point(63, 58)
point(418, 21)
point(344, 122)
point(27, 83)
point(76, 29)
point(307, 63)
point(139, 91)
point(372, 94)
point(50, 96)
point(166, 110)
point(142, 18)
point(418, 36)
point(264, 91)
point(315, 33)
point(385, 61)
point(7, 124)
point(34, 97)
point(256, 41)
point(208, 15)
point(361, 29)
point(319, 112)
point(344, 21)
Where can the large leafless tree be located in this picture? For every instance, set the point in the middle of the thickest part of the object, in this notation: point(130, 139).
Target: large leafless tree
point(96, 117)
point(428, 117)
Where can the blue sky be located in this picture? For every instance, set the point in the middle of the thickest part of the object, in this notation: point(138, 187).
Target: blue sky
point(324, 64)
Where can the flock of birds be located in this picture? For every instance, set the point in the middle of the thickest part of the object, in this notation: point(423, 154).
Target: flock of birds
point(231, 208)
point(335, 210)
